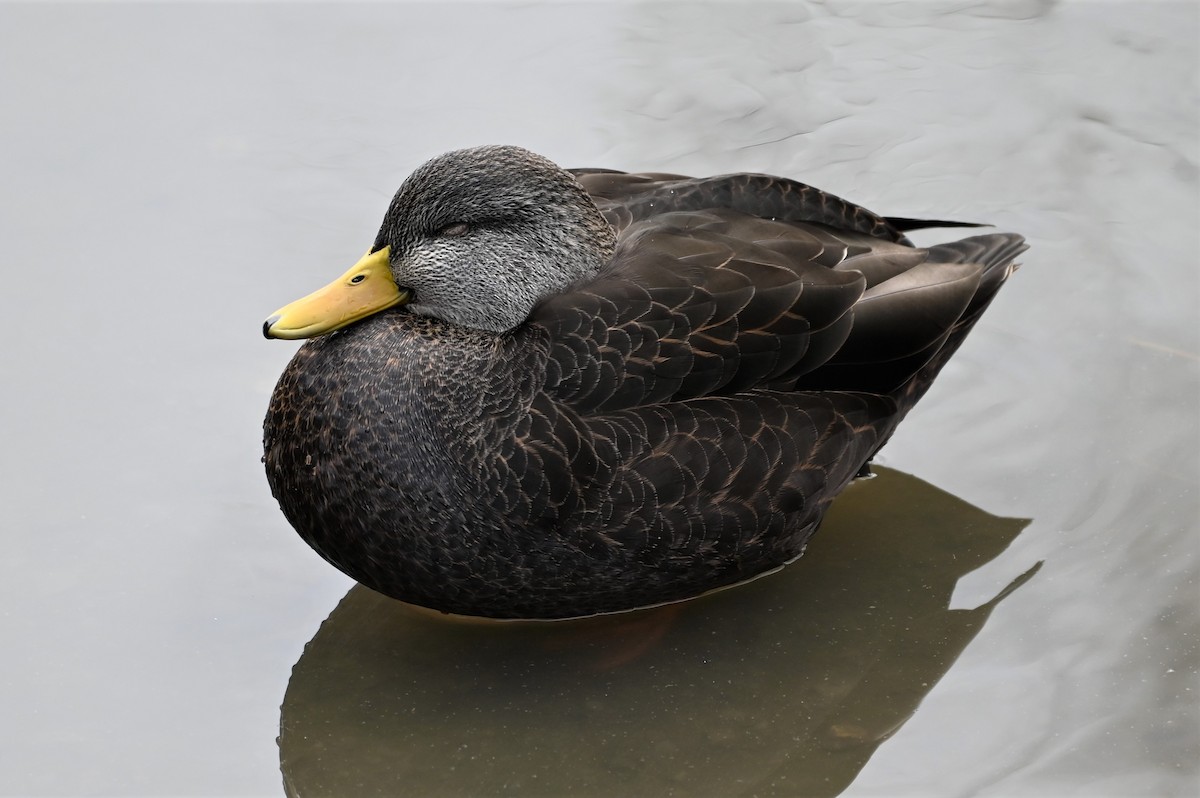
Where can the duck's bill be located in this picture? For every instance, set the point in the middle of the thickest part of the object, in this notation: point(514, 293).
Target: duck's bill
point(366, 288)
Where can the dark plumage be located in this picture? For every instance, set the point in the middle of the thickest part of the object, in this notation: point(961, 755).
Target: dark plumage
point(678, 376)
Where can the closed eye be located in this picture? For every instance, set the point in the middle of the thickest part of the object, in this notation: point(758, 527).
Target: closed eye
point(455, 229)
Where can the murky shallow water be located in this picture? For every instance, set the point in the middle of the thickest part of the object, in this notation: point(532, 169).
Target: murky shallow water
point(173, 173)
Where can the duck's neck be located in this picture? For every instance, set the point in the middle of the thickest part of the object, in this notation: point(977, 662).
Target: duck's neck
point(448, 391)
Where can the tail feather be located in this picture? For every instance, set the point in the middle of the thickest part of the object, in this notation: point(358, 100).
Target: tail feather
point(904, 224)
point(907, 327)
point(995, 253)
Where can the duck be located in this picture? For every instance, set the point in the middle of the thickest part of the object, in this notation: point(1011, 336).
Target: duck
point(549, 393)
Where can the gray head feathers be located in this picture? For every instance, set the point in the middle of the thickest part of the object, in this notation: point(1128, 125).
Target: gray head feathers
point(481, 235)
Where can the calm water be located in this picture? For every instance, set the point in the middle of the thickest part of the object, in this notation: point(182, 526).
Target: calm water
point(172, 173)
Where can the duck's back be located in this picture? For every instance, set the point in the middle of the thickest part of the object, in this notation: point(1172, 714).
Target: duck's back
point(750, 282)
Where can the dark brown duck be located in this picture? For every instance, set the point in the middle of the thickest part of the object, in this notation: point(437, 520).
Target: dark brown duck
point(548, 393)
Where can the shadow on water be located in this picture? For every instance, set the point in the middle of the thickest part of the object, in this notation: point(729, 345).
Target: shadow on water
point(783, 686)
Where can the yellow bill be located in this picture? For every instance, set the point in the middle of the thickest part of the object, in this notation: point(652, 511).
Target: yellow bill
point(366, 288)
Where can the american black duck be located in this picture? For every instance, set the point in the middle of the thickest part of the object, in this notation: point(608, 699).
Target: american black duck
point(549, 393)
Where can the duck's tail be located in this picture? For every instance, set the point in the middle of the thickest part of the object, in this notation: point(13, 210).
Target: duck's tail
point(996, 254)
point(907, 328)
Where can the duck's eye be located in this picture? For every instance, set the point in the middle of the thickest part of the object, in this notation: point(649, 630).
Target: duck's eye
point(455, 229)
point(358, 278)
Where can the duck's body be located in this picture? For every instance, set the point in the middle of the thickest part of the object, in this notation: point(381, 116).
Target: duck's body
point(671, 418)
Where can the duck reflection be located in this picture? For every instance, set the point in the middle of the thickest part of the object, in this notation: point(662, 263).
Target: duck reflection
point(783, 686)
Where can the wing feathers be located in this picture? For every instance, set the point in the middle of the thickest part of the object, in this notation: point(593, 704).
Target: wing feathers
point(740, 283)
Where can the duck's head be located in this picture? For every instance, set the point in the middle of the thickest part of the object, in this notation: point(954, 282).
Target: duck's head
point(475, 237)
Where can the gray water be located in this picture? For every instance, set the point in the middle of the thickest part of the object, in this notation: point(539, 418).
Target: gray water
point(169, 174)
